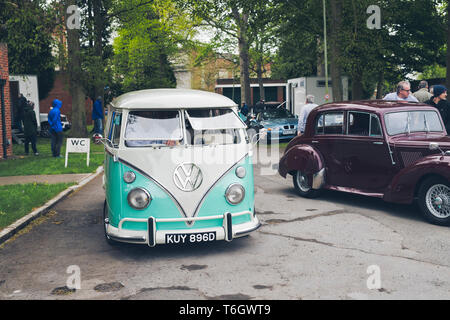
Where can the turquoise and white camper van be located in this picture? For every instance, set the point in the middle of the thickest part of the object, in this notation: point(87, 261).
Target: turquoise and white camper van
point(178, 169)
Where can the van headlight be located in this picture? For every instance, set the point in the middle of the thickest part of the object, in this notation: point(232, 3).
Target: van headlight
point(139, 198)
point(235, 193)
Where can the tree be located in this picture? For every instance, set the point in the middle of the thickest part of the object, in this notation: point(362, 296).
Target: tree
point(149, 34)
point(75, 74)
point(26, 26)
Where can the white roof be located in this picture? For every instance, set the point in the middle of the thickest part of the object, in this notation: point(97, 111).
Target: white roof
point(171, 99)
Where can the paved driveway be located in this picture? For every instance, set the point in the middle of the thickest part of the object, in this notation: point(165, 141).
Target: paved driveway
point(340, 246)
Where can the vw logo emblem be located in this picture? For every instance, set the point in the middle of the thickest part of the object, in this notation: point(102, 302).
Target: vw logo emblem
point(187, 177)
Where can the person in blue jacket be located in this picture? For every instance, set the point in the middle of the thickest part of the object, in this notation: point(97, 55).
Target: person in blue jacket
point(97, 115)
point(54, 120)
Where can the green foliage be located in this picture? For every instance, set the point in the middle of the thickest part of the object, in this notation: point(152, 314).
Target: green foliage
point(432, 72)
point(149, 34)
point(27, 27)
point(411, 37)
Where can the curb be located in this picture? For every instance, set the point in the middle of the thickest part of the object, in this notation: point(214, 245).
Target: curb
point(12, 229)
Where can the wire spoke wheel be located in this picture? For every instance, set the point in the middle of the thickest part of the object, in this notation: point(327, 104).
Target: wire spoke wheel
point(437, 201)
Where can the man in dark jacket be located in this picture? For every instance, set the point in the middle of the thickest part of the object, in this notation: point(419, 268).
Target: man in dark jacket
point(30, 127)
point(439, 101)
point(54, 120)
point(21, 105)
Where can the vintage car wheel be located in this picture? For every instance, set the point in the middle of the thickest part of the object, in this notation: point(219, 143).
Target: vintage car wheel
point(105, 216)
point(303, 185)
point(434, 200)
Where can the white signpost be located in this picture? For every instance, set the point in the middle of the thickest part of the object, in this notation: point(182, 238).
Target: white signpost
point(78, 145)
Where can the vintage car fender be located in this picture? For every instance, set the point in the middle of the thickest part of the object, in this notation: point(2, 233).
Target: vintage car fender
point(305, 158)
point(405, 183)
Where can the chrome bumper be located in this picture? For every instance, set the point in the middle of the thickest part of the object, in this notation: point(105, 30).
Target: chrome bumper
point(152, 237)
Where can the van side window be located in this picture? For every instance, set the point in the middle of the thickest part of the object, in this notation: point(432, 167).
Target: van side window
point(116, 127)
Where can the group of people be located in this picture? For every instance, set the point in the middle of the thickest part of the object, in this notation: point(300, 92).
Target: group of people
point(27, 117)
point(436, 96)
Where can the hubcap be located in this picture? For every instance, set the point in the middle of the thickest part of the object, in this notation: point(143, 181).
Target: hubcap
point(302, 182)
point(438, 201)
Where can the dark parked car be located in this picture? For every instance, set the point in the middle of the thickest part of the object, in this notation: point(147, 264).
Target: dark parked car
point(398, 152)
point(277, 123)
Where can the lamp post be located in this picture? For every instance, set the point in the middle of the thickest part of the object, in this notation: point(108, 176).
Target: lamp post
point(325, 49)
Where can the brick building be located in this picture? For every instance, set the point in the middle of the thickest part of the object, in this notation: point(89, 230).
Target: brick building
point(61, 92)
point(5, 105)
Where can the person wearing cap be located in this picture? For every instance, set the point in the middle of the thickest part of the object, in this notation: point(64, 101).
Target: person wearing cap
point(439, 101)
point(422, 94)
point(402, 93)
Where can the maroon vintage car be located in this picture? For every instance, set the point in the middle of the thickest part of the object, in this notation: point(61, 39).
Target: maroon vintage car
point(390, 150)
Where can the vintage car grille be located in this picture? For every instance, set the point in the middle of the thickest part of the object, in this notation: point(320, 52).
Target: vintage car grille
point(409, 157)
point(287, 127)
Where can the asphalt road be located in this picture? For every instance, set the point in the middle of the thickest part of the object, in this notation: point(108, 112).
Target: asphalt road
point(340, 246)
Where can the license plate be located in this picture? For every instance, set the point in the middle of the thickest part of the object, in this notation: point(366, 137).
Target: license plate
point(178, 238)
point(286, 132)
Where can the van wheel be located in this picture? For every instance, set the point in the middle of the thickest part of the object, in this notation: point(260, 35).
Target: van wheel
point(434, 200)
point(105, 216)
point(302, 184)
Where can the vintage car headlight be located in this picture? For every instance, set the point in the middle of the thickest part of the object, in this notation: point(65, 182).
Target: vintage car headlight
point(235, 193)
point(241, 172)
point(139, 198)
point(129, 176)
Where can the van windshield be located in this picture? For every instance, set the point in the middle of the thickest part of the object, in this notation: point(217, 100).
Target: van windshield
point(213, 126)
point(149, 128)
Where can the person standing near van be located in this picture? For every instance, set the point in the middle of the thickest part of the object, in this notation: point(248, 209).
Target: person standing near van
point(54, 120)
point(30, 128)
point(97, 116)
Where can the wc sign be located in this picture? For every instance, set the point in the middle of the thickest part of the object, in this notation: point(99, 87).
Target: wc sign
point(78, 145)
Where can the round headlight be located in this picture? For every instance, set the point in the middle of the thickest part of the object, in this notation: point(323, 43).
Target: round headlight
point(139, 198)
point(240, 172)
point(235, 193)
point(129, 176)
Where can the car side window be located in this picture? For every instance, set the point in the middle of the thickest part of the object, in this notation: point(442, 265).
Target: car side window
point(358, 124)
point(319, 124)
point(375, 126)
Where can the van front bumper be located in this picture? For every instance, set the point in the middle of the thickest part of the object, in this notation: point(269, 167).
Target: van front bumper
point(152, 237)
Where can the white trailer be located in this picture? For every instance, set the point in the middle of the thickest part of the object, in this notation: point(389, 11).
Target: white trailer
point(297, 89)
point(28, 86)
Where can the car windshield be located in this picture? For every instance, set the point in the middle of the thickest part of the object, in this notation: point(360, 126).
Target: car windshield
point(412, 121)
point(147, 128)
point(213, 126)
point(279, 113)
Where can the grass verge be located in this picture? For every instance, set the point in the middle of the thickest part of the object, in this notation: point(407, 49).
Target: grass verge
point(18, 200)
point(44, 163)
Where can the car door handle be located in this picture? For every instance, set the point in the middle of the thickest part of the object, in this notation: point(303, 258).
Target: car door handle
point(378, 142)
point(315, 141)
